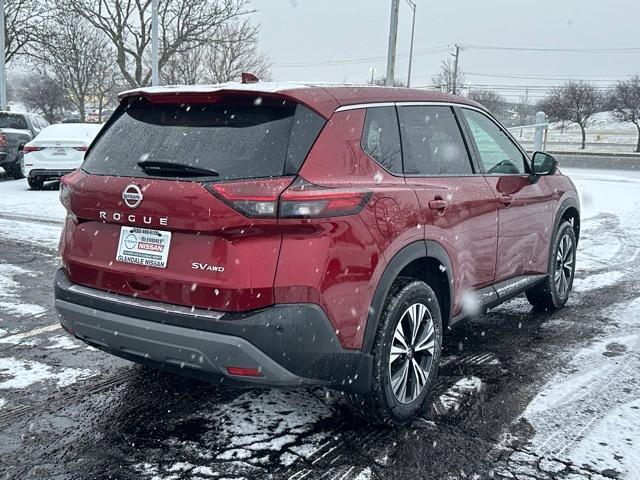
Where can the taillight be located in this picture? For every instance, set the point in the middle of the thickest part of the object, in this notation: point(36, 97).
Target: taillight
point(29, 148)
point(3, 140)
point(252, 198)
point(81, 149)
point(305, 200)
point(244, 372)
point(280, 198)
point(65, 199)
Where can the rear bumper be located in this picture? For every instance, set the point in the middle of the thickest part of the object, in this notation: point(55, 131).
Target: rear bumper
point(291, 345)
point(44, 174)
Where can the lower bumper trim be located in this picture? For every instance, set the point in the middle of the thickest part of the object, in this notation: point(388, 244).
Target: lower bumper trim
point(178, 346)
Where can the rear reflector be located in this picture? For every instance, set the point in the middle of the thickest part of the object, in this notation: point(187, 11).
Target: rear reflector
point(244, 372)
point(28, 148)
point(280, 198)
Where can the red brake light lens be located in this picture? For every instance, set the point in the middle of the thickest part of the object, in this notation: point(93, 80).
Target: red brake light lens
point(280, 198)
point(252, 198)
point(28, 148)
point(81, 149)
point(3, 140)
point(244, 372)
point(65, 199)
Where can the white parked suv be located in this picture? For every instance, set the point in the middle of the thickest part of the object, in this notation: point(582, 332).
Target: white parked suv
point(57, 150)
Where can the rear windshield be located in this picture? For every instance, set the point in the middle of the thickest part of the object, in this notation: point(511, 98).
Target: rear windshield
point(8, 120)
point(238, 141)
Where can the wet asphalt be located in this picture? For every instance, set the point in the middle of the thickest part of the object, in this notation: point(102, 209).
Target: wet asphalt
point(94, 416)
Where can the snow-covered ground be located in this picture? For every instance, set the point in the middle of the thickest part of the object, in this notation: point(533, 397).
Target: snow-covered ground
point(35, 217)
point(567, 415)
point(604, 134)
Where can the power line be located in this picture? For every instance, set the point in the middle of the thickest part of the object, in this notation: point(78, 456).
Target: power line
point(545, 77)
point(541, 49)
point(358, 60)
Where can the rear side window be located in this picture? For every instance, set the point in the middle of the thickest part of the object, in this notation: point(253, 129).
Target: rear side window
point(8, 120)
point(381, 138)
point(432, 142)
point(240, 140)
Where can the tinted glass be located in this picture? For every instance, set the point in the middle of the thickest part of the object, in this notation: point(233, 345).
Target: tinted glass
point(498, 153)
point(306, 128)
point(432, 142)
point(238, 141)
point(8, 120)
point(381, 138)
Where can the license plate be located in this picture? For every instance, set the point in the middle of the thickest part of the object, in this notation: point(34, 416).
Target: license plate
point(59, 151)
point(143, 246)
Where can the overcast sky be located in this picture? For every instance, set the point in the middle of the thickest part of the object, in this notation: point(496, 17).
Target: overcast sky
point(322, 31)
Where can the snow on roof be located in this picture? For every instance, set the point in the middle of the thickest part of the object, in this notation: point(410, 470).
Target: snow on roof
point(322, 97)
point(258, 87)
point(68, 131)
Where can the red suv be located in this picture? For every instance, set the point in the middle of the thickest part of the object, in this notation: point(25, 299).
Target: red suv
point(295, 235)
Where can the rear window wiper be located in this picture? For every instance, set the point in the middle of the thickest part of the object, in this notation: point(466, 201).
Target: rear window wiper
point(166, 168)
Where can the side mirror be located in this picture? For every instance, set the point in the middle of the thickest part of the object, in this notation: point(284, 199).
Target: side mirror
point(544, 164)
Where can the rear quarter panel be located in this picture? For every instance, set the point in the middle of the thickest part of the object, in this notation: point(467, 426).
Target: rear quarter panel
point(338, 262)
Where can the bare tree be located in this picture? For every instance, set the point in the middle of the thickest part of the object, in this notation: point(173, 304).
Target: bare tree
point(235, 51)
point(575, 102)
point(555, 106)
point(185, 68)
point(42, 93)
point(444, 80)
point(489, 99)
point(183, 25)
point(382, 81)
point(73, 53)
point(625, 100)
point(105, 83)
point(23, 26)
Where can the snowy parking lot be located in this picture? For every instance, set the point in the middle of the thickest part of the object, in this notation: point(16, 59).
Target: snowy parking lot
point(521, 394)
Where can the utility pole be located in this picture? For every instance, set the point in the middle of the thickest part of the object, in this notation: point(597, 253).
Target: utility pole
point(372, 71)
point(154, 43)
point(455, 69)
point(3, 67)
point(393, 37)
point(413, 28)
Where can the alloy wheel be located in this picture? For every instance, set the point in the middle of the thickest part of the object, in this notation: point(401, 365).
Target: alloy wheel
point(565, 258)
point(412, 350)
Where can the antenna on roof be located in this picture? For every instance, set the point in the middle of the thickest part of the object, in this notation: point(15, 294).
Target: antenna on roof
point(249, 78)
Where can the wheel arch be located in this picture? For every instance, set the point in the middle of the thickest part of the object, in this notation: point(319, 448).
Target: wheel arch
point(569, 210)
point(425, 260)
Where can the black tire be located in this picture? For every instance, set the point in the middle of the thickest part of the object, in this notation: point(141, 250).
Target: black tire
point(17, 167)
point(14, 168)
point(551, 295)
point(382, 404)
point(35, 183)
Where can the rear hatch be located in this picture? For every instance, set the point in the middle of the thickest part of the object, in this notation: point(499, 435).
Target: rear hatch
point(177, 202)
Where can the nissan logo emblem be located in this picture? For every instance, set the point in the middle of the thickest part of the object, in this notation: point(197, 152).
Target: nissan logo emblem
point(132, 195)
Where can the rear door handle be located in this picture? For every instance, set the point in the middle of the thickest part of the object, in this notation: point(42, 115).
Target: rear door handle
point(438, 204)
point(505, 200)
